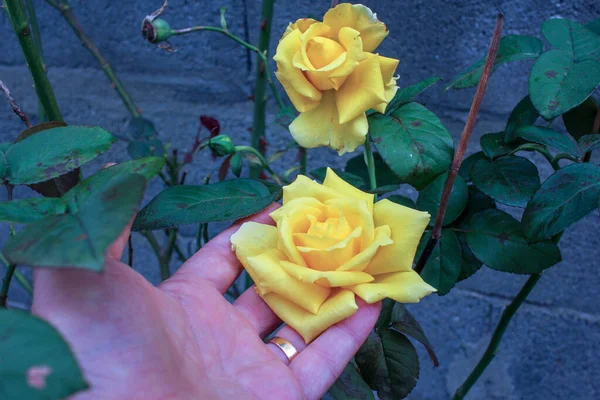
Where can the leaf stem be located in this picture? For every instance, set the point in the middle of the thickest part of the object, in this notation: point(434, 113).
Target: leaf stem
point(370, 165)
point(43, 88)
point(10, 270)
point(66, 11)
point(24, 282)
point(492, 348)
point(462, 145)
point(261, 158)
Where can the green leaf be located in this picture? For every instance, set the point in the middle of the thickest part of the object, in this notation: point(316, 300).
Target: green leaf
point(354, 180)
point(79, 239)
point(467, 165)
point(563, 199)
point(413, 143)
point(510, 180)
point(478, 201)
point(579, 121)
point(145, 148)
point(37, 363)
point(497, 240)
point(572, 37)
point(469, 264)
point(402, 200)
point(222, 201)
point(430, 197)
point(147, 167)
point(558, 83)
point(236, 164)
point(589, 142)
point(389, 364)
point(385, 176)
point(550, 138)
point(30, 210)
point(493, 145)
point(140, 127)
point(512, 48)
point(404, 322)
point(443, 266)
point(351, 386)
point(523, 114)
point(407, 94)
point(594, 26)
point(53, 152)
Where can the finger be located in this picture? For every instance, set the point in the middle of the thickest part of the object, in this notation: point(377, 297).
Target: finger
point(216, 262)
point(257, 312)
point(291, 336)
point(319, 365)
point(115, 250)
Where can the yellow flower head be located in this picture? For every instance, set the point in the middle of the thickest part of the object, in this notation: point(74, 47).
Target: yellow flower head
point(332, 77)
point(329, 244)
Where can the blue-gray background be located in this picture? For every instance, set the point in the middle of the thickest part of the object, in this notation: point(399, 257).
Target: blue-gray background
point(550, 350)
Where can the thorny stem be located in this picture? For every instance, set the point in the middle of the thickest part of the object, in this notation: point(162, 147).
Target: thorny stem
point(462, 145)
point(10, 270)
point(370, 165)
point(262, 71)
point(43, 88)
point(492, 348)
point(67, 12)
point(37, 39)
point(15, 107)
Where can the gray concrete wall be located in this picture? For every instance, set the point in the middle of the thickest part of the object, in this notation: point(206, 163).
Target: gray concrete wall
point(550, 349)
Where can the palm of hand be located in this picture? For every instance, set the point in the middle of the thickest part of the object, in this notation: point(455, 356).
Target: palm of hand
point(183, 340)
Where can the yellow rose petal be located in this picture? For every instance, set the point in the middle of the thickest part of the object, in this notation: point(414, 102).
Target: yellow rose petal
point(330, 258)
point(390, 92)
point(388, 67)
point(294, 221)
point(360, 18)
point(338, 307)
point(320, 127)
point(270, 277)
point(302, 93)
point(302, 25)
point(315, 30)
point(407, 227)
point(345, 189)
point(404, 287)
point(304, 187)
point(363, 89)
point(326, 278)
point(362, 259)
point(350, 39)
point(291, 203)
point(357, 213)
point(252, 239)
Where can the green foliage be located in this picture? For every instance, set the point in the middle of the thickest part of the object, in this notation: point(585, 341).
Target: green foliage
point(429, 198)
point(79, 238)
point(358, 167)
point(351, 386)
point(509, 180)
point(407, 94)
point(512, 48)
point(444, 265)
point(522, 115)
point(589, 142)
point(467, 165)
point(53, 152)
point(550, 138)
point(389, 364)
point(143, 139)
point(402, 200)
point(497, 240)
point(403, 321)
point(494, 145)
point(563, 199)
point(227, 200)
point(564, 77)
point(37, 363)
point(413, 143)
point(469, 263)
point(579, 121)
point(354, 180)
point(30, 210)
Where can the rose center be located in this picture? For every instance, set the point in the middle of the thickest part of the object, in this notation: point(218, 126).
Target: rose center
point(322, 51)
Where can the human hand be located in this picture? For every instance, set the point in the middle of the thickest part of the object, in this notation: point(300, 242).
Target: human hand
point(183, 339)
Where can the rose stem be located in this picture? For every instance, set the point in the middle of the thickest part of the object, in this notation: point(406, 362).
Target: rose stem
point(15, 107)
point(462, 145)
point(67, 12)
point(370, 165)
point(43, 88)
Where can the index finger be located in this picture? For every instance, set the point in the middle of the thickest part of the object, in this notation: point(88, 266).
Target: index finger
point(215, 262)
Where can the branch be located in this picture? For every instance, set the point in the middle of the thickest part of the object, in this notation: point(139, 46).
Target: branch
point(15, 107)
point(43, 88)
point(462, 145)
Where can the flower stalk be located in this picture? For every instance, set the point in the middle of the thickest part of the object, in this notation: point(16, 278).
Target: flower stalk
point(370, 165)
point(43, 88)
point(436, 233)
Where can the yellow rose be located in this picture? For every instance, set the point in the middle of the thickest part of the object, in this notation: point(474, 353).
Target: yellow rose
point(329, 244)
point(332, 77)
